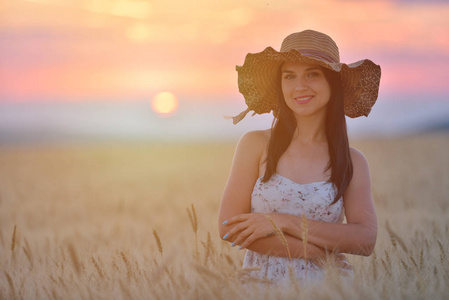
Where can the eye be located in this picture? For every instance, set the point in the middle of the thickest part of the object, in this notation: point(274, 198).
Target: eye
point(313, 74)
point(289, 76)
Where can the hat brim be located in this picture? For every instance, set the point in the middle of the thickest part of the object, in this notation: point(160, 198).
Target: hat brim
point(258, 75)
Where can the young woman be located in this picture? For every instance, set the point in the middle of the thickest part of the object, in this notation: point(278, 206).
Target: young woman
point(301, 176)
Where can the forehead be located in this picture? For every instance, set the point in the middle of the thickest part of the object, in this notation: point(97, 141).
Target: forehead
point(298, 66)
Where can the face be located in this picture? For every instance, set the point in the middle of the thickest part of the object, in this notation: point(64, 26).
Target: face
point(305, 88)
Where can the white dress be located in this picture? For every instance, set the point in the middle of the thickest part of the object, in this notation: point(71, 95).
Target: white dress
point(281, 195)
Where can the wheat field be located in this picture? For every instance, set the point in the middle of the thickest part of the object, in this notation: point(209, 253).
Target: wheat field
point(139, 221)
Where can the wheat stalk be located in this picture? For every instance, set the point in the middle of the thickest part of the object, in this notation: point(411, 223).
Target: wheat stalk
point(183, 282)
point(421, 259)
point(404, 265)
point(249, 270)
point(74, 258)
point(97, 267)
point(194, 223)
point(13, 244)
point(442, 252)
point(127, 264)
point(28, 252)
point(170, 275)
point(13, 240)
point(387, 258)
point(229, 259)
point(53, 279)
point(193, 219)
point(208, 248)
point(158, 242)
point(11, 285)
point(386, 267)
point(305, 231)
point(207, 273)
point(394, 237)
point(125, 290)
point(414, 262)
point(63, 255)
point(137, 269)
point(281, 236)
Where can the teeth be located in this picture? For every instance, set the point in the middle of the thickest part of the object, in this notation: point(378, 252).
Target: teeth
point(303, 98)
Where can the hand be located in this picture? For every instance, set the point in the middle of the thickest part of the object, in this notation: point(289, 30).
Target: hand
point(248, 228)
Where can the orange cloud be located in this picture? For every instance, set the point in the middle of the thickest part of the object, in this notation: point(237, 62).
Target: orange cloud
point(133, 48)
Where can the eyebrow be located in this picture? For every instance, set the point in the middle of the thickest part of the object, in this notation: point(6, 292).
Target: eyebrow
point(307, 70)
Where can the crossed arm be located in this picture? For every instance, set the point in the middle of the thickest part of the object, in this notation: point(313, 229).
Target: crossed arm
point(262, 238)
point(255, 232)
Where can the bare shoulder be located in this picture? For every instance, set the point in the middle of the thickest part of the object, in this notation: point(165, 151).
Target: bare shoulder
point(251, 150)
point(358, 159)
point(254, 141)
point(360, 166)
point(257, 135)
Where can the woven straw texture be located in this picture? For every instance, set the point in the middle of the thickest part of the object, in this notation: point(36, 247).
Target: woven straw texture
point(258, 76)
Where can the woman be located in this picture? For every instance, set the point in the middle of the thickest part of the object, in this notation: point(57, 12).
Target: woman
point(301, 177)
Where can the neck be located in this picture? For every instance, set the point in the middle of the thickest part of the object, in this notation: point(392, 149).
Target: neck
point(310, 130)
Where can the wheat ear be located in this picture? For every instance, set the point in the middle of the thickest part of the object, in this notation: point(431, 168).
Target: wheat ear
point(11, 285)
point(127, 264)
point(74, 258)
point(208, 248)
point(305, 231)
point(281, 236)
point(194, 222)
point(395, 238)
point(97, 266)
point(13, 243)
point(158, 242)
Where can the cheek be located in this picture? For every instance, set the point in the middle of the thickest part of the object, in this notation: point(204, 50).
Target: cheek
point(286, 89)
point(327, 91)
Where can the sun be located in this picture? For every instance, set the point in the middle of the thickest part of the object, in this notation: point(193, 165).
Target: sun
point(164, 103)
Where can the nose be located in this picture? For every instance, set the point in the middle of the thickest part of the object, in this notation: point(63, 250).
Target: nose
point(301, 84)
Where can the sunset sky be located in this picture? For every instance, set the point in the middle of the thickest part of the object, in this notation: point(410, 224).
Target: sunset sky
point(65, 50)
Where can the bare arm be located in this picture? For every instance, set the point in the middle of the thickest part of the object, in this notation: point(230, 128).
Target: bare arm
point(273, 246)
point(236, 200)
point(358, 236)
point(236, 197)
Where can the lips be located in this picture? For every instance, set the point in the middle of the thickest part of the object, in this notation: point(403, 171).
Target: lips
point(303, 100)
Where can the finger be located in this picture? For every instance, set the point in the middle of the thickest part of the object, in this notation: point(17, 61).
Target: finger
point(249, 240)
point(340, 256)
point(339, 261)
point(344, 265)
point(241, 238)
point(236, 219)
point(230, 236)
point(319, 262)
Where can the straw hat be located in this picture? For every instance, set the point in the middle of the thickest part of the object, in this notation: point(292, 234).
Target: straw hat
point(258, 76)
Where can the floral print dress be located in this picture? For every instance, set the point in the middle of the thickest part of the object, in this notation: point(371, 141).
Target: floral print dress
point(281, 195)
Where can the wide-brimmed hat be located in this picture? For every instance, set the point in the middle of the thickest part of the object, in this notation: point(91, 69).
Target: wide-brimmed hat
point(257, 78)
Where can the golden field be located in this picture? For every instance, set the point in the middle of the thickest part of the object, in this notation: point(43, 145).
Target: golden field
point(79, 222)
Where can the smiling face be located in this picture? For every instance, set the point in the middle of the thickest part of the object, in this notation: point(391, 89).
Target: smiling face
point(305, 89)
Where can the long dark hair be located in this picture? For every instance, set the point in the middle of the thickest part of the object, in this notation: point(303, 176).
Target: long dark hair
point(284, 125)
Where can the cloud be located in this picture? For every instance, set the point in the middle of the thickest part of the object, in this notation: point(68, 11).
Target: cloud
point(126, 47)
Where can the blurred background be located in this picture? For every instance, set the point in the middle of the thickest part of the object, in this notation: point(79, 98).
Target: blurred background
point(154, 70)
